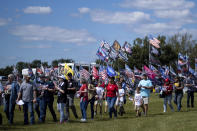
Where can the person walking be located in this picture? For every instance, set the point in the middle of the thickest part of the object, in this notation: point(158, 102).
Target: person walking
point(28, 94)
point(70, 97)
point(167, 90)
point(146, 86)
point(62, 96)
point(83, 92)
point(178, 86)
point(11, 92)
point(48, 98)
point(111, 96)
point(91, 96)
point(190, 83)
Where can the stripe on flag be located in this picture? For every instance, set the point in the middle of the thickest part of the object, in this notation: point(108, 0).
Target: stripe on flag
point(84, 73)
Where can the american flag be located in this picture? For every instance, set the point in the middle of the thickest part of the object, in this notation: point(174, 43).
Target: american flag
point(84, 73)
point(128, 71)
point(155, 42)
point(102, 73)
point(95, 72)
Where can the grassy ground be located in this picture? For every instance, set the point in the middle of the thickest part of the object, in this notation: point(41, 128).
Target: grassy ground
point(156, 120)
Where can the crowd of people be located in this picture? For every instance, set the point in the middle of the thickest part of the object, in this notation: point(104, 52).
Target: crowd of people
point(38, 94)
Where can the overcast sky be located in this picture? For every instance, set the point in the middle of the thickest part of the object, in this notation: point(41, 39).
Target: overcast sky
point(53, 29)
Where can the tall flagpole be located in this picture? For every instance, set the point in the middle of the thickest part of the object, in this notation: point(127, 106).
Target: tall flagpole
point(149, 55)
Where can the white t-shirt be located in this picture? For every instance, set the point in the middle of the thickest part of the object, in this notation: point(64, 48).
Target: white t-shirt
point(121, 94)
point(100, 91)
point(138, 99)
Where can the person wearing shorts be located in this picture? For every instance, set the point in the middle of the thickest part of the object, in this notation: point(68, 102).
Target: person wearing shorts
point(99, 97)
point(145, 85)
point(138, 101)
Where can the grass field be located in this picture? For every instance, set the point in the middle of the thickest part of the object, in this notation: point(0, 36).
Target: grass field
point(186, 120)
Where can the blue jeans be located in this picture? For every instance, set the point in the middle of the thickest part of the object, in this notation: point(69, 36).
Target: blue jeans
point(111, 101)
point(39, 108)
point(9, 110)
point(62, 106)
point(177, 100)
point(168, 98)
point(28, 106)
point(83, 106)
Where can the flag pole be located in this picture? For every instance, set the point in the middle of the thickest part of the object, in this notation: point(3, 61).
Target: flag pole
point(149, 55)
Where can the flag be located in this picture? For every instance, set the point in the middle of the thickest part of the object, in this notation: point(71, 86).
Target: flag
point(172, 71)
point(110, 71)
point(128, 71)
point(116, 46)
point(95, 73)
point(113, 54)
point(137, 71)
point(154, 50)
point(101, 53)
point(153, 41)
point(153, 69)
point(122, 55)
point(150, 74)
point(104, 45)
point(127, 48)
point(102, 73)
point(182, 63)
point(67, 70)
point(167, 71)
point(84, 73)
point(191, 70)
point(42, 69)
point(181, 57)
point(162, 72)
point(39, 71)
point(15, 71)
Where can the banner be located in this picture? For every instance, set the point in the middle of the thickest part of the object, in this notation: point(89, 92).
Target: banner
point(150, 74)
point(67, 70)
point(116, 46)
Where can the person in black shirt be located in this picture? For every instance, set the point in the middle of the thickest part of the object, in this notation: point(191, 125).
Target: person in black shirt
point(178, 85)
point(62, 96)
point(71, 90)
point(189, 83)
point(49, 98)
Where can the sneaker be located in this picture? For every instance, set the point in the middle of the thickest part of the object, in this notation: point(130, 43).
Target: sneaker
point(83, 120)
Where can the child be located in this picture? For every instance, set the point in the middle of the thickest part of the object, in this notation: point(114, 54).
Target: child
point(138, 102)
point(99, 97)
point(120, 99)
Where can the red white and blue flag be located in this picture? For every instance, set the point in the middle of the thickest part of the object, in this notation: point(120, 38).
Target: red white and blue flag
point(102, 73)
point(95, 73)
point(84, 73)
point(154, 41)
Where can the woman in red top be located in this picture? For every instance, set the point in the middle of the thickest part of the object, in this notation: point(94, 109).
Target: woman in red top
point(111, 95)
point(167, 89)
point(83, 99)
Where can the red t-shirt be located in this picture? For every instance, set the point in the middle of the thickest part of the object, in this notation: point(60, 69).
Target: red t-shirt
point(169, 89)
point(111, 90)
point(84, 95)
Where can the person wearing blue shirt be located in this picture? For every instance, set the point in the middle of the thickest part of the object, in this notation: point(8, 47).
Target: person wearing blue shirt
point(146, 86)
point(11, 92)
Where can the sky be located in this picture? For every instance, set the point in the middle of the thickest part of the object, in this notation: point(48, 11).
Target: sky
point(54, 29)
